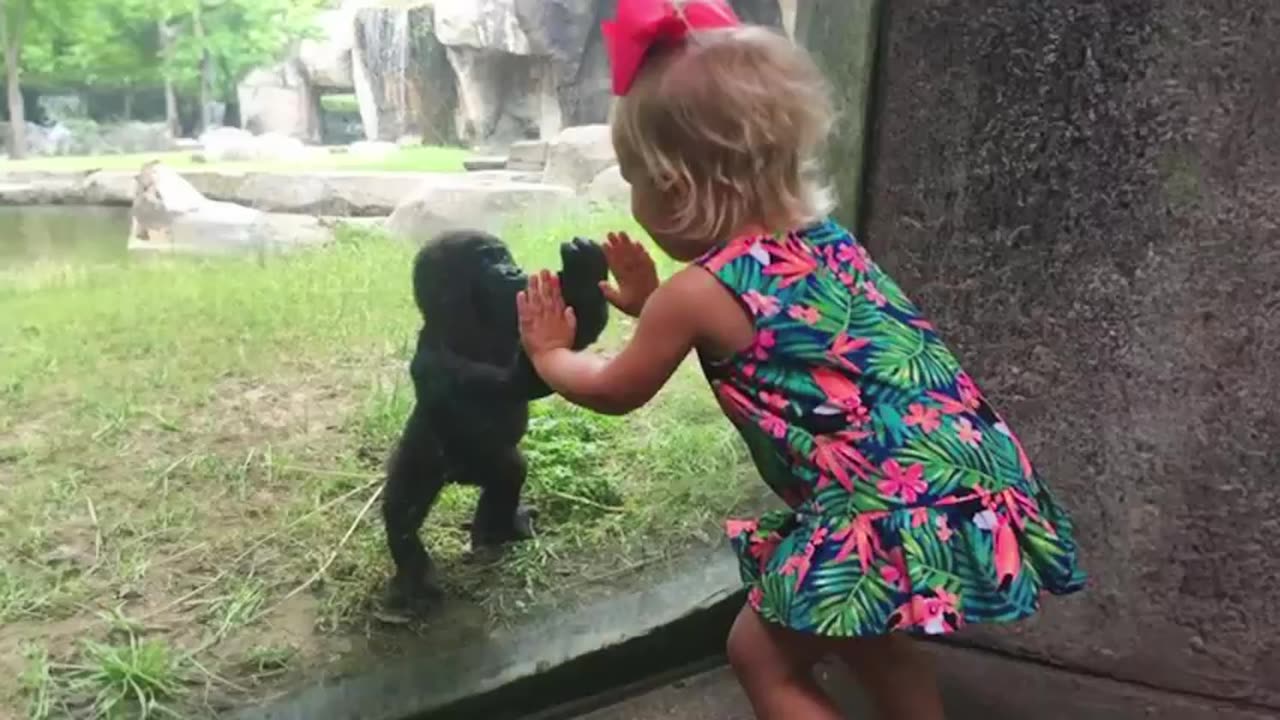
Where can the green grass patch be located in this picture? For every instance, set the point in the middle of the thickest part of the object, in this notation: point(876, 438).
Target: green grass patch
point(190, 456)
point(406, 159)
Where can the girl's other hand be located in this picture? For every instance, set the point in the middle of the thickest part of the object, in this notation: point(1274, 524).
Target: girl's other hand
point(634, 272)
point(546, 323)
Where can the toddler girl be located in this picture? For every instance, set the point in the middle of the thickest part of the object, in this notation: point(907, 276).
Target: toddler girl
point(912, 505)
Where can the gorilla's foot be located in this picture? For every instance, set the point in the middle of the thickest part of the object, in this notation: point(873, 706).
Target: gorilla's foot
point(409, 596)
point(499, 532)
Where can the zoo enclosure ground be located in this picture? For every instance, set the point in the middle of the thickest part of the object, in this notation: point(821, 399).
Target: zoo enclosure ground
point(189, 469)
point(407, 159)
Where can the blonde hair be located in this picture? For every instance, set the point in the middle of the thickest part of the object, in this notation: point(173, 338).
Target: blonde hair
point(725, 126)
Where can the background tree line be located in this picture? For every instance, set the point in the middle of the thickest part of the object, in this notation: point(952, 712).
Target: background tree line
point(200, 49)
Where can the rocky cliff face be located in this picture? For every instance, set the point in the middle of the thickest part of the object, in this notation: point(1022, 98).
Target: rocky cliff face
point(487, 72)
point(1086, 198)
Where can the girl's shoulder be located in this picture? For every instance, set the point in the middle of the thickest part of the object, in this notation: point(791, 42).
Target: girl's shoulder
point(766, 249)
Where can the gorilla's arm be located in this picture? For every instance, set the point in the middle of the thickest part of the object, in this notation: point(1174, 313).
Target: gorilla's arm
point(486, 383)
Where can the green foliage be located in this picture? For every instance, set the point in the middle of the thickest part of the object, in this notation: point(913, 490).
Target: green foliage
point(340, 104)
point(118, 43)
point(567, 449)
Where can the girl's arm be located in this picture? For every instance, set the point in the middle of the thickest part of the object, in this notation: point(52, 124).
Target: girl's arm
point(669, 327)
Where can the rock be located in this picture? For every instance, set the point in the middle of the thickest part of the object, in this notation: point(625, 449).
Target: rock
point(485, 162)
point(609, 188)
point(527, 156)
point(453, 201)
point(110, 187)
point(372, 149)
point(1086, 196)
point(41, 192)
point(280, 100)
point(170, 215)
point(482, 25)
point(326, 59)
point(578, 155)
point(236, 145)
point(403, 81)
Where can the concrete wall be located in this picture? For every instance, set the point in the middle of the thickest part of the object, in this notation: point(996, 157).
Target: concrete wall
point(1085, 195)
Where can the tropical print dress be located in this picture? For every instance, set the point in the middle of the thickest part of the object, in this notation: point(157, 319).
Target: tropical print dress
point(912, 505)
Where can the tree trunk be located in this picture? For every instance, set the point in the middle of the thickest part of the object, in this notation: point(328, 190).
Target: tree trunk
point(171, 118)
point(206, 71)
point(11, 38)
point(128, 105)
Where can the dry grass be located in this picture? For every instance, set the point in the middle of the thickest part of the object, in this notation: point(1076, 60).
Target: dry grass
point(189, 455)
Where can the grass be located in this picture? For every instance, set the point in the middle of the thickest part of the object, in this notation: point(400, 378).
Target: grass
point(189, 469)
point(406, 159)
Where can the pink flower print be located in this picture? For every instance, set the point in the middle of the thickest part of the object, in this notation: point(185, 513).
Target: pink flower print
point(873, 294)
point(760, 304)
point(843, 346)
point(928, 419)
point(836, 455)
point(749, 369)
point(906, 483)
point(774, 425)
point(759, 252)
point(895, 571)
point(861, 538)
point(775, 401)
point(756, 597)
point(800, 563)
point(738, 528)
point(970, 396)
point(792, 262)
point(967, 433)
point(855, 255)
point(919, 516)
point(765, 341)
point(846, 279)
point(930, 614)
point(944, 530)
point(842, 395)
point(806, 315)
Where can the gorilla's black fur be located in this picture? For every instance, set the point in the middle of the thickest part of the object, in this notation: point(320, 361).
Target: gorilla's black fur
point(472, 384)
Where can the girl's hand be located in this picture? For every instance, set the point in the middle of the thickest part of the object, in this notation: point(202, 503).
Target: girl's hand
point(546, 324)
point(634, 271)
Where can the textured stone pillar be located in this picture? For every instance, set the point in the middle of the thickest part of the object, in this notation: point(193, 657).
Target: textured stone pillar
point(1085, 196)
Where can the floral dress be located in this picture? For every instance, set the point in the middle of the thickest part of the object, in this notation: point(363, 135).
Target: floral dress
point(912, 505)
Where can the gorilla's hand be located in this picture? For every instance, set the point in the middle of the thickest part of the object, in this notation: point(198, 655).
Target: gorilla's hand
point(583, 269)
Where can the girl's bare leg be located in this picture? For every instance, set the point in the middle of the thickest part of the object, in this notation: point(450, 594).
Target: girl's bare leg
point(775, 668)
point(897, 675)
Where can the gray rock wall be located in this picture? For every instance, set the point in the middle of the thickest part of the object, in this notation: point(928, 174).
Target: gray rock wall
point(1085, 195)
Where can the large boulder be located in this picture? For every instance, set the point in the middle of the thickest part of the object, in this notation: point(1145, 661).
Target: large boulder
point(610, 189)
point(226, 144)
point(172, 216)
point(109, 187)
point(506, 91)
point(1086, 197)
point(578, 155)
point(326, 59)
point(457, 201)
point(481, 24)
point(403, 80)
point(280, 100)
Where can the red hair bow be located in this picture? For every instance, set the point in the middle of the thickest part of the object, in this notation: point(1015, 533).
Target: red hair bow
point(642, 24)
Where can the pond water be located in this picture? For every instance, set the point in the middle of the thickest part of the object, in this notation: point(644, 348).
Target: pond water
point(70, 233)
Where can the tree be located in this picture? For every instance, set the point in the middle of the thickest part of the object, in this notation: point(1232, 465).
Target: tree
point(14, 15)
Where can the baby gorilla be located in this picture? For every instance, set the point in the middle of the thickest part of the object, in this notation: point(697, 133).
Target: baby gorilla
point(472, 384)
